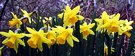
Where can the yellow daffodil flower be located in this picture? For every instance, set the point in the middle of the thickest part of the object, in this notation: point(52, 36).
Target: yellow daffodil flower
point(26, 14)
point(104, 19)
point(15, 21)
point(13, 39)
point(37, 38)
point(70, 16)
point(114, 25)
point(65, 34)
point(85, 29)
point(126, 27)
point(51, 35)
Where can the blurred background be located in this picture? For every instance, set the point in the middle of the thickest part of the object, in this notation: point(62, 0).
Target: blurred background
point(51, 8)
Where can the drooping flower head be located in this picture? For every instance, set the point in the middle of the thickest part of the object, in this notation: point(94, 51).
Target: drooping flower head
point(37, 38)
point(70, 16)
point(13, 39)
point(65, 35)
point(15, 21)
point(86, 29)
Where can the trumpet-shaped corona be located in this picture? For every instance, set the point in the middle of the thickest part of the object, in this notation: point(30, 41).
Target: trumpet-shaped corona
point(37, 38)
point(70, 16)
point(13, 39)
point(86, 30)
point(65, 35)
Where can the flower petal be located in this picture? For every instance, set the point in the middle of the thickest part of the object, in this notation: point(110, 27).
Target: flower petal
point(80, 17)
point(76, 9)
point(75, 39)
point(20, 42)
point(60, 15)
point(91, 25)
point(28, 35)
point(20, 35)
point(5, 34)
point(91, 32)
point(70, 41)
point(40, 47)
point(116, 18)
point(16, 47)
point(45, 40)
point(68, 9)
point(5, 41)
point(30, 30)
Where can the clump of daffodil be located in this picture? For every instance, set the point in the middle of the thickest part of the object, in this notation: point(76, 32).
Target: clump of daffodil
point(65, 35)
point(126, 27)
point(70, 16)
point(15, 21)
point(114, 25)
point(26, 14)
point(86, 29)
point(37, 38)
point(13, 39)
point(51, 35)
point(110, 23)
point(106, 50)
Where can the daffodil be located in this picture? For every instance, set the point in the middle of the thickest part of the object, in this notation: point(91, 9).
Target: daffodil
point(15, 21)
point(126, 27)
point(70, 16)
point(85, 29)
point(51, 35)
point(104, 19)
point(37, 38)
point(13, 39)
point(65, 34)
point(26, 14)
point(114, 25)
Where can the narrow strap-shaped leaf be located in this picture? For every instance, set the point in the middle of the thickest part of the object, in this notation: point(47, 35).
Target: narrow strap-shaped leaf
point(99, 49)
point(108, 44)
point(77, 46)
point(131, 42)
point(12, 52)
point(114, 44)
point(118, 49)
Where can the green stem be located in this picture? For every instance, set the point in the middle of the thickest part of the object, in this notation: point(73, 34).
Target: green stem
point(77, 46)
point(114, 44)
point(108, 44)
point(119, 46)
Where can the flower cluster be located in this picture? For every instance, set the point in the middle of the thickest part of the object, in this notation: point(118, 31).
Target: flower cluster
point(61, 34)
point(112, 24)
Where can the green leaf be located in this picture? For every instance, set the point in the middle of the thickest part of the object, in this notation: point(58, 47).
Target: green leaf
point(131, 42)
